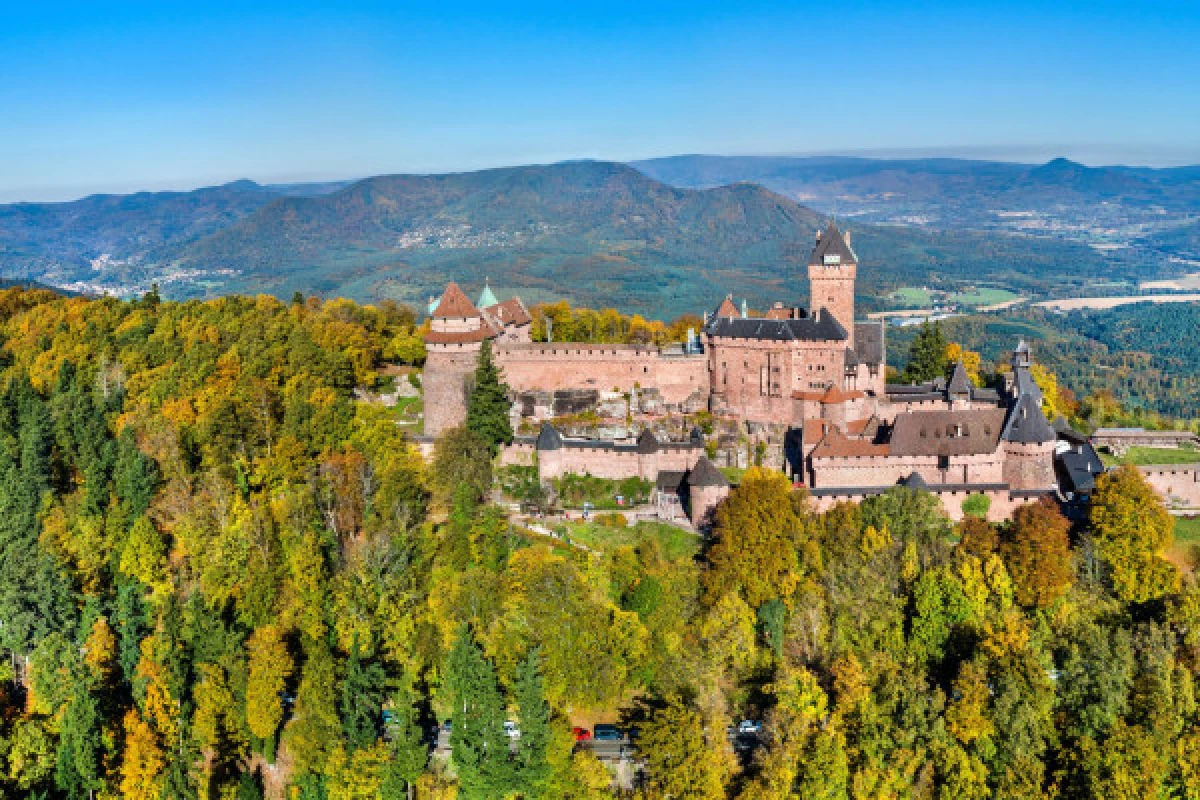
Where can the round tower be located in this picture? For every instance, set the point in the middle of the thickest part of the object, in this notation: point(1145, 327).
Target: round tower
point(456, 334)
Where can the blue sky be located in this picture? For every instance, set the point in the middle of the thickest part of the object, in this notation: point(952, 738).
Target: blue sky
point(120, 96)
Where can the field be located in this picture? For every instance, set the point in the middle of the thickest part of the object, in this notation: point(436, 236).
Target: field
point(675, 543)
point(1080, 303)
point(1154, 455)
point(1188, 282)
point(911, 297)
point(984, 296)
point(1183, 553)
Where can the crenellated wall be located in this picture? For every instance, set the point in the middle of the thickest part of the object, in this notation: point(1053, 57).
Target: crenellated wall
point(546, 366)
point(1178, 484)
point(616, 461)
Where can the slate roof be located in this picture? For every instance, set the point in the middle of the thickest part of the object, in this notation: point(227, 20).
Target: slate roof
point(868, 342)
point(821, 327)
point(914, 481)
point(960, 383)
point(1079, 467)
point(1065, 431)
point(670, 481)
point(831, 242)
point(455, 304)
point(706, 474)
point(549, 438)
point(947, 433)
point(647, 442)
point(1026, 423)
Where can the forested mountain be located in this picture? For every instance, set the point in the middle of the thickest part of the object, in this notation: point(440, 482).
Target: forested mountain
point(224, 576)
point(596, 233)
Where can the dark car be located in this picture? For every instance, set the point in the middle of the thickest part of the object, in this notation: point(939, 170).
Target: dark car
point(606, 733)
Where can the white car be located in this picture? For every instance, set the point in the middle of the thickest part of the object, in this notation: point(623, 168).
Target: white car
point(753, 726)
point(511, 730)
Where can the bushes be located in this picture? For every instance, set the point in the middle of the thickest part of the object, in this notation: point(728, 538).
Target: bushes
point(575, 490)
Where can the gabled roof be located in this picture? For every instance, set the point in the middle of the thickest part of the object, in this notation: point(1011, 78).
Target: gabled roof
point(1065, 431)
point(831, 243)
point(1026, 423)
point(1080, 467)
point(960, 383)
point(511, 312)
point(706, 474)
point(455, 304)
point(549, 438)
point(727, 308)
point(820, 327)
point(946, 433)
point(647, 442)
point(669, 481)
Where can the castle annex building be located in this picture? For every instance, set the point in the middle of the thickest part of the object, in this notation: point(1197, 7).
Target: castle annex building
point(813, 376)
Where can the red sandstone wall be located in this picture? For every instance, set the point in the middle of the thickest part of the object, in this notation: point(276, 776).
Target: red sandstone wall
point(446, 370)
point(615, 464)
point(873, 471)
point(550, 366)
point(1178, 485)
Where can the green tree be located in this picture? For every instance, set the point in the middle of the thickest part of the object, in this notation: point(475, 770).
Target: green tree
point(409, 753)
point(533, 717)
point(363, 694)
point(488, 406)
point(1132, 528)
point(927, 356)
point(477, 740)
point(462, 460)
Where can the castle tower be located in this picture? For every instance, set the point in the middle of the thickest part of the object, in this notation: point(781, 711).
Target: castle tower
point(456, 334)
point(832, 269)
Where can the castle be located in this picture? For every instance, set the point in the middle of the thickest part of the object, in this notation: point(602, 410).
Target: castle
point(816, 376)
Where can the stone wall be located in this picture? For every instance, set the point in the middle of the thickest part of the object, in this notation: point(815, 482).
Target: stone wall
point(616, 462)
point(445, 382)
point(874, 471)
point(1179, 485)
point(1029, 466)
point(546, 366)
point(702, 502)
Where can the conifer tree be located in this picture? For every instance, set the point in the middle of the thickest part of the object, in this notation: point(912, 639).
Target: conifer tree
point(362, 700)
point(533, 717)
point(477, 741)
point(927, 356)
point(409, 753)
point(488, 406)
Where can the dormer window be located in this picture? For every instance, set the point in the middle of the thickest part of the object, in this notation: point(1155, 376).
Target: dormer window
point(832, 259)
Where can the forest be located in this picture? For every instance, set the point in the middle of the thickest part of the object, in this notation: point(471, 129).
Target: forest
point(223, 576)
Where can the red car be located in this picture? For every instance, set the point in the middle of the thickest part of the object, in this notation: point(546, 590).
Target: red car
point(581, 734)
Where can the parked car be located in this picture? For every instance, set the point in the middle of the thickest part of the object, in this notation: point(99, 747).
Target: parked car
point(753, 726)
point(511, 730)
point(581, 734)
point(606, 733)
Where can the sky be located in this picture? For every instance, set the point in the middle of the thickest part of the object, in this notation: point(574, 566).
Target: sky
point(122, 96)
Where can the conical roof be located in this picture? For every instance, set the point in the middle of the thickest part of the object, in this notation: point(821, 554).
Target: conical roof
point(487, 297)
point(705, 473)
point(647, 442)
point(455, 304)
point(548, 438)
point(960, 383)
point(914, 481)
point(1027, 424)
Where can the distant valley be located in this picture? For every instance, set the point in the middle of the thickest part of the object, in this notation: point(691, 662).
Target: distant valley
point(661, 239)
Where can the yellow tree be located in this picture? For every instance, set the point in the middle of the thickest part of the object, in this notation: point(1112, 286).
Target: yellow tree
point(143, 765)
point(972, 362)
point(1132, 529)
point(270, 667)
point(756, 530)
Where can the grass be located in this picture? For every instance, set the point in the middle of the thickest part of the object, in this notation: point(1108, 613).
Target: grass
point(983, 296)
point(1185, 550)
point(408, 410)
point(574, 490)
point(911, 297)
point(1153, 455)
point(733, 474)
point(675, 543)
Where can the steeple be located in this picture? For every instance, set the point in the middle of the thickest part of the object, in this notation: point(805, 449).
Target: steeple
point(832, 269)
point(487, 298)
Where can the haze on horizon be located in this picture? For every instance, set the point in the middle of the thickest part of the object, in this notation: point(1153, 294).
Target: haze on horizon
point(134, 95)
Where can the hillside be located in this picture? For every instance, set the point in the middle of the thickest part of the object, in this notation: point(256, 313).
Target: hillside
point(596, 233)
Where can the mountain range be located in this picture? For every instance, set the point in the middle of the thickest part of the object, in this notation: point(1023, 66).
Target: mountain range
point(665, 237)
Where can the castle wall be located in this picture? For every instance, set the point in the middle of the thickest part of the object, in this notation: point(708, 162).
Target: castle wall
point(521, 453)
point(616, 462)
point(546, 366)
point(1179, 485)
point(874, 471)
point(447, 367)
point(1003, 502)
